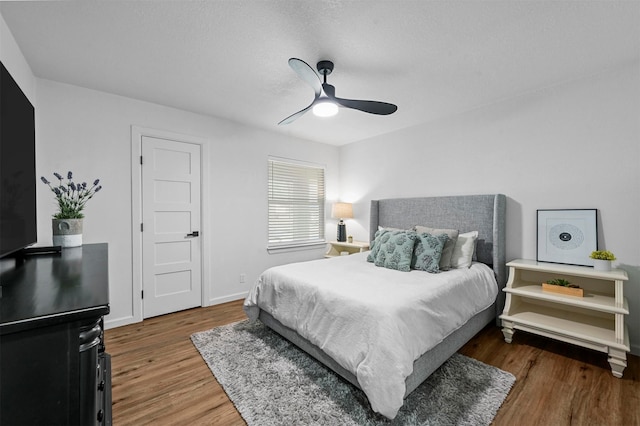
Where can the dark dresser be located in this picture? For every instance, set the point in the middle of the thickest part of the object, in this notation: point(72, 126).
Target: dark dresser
point(54, 369)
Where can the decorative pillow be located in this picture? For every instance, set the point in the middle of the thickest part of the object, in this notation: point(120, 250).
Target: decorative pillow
point(396, 250)
point(447, 251)
point(427, 252)
point(371, 257)
point(464, 249)
point(375, 246)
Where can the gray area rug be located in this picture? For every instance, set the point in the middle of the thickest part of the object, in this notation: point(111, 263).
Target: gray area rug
point(272, 382)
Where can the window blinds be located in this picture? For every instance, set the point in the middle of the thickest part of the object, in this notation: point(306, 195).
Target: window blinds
point(296, 204)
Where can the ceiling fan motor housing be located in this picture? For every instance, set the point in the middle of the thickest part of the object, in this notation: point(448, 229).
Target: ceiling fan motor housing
point(324, 67)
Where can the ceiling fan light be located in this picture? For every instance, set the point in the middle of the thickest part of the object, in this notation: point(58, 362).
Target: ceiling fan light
point(325, 109)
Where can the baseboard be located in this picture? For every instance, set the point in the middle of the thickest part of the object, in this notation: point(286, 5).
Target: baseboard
point(228, 298)
point(119, 322)
point(122, 321)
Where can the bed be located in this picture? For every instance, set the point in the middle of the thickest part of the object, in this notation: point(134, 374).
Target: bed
point(482, 213)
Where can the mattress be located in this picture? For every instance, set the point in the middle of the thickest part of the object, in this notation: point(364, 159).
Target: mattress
point(372, 321)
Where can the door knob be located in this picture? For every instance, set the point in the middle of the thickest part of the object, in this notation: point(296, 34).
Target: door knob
point(193, 234)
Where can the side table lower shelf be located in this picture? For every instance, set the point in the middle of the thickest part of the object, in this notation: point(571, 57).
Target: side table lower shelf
point(591, 332)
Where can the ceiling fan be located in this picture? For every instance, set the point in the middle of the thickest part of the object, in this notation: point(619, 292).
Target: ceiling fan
point(326, 103)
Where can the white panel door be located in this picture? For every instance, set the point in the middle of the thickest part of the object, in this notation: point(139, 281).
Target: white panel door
point(171, 248)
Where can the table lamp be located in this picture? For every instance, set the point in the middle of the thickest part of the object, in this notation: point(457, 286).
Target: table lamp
point(342, 211)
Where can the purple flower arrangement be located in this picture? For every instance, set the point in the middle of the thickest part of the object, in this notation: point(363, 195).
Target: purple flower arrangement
point(71, 196)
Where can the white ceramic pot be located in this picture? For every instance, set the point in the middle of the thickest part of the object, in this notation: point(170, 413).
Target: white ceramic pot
point(601, 265)
point(67, 232)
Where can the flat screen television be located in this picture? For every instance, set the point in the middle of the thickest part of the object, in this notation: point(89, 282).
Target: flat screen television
point(18, 220)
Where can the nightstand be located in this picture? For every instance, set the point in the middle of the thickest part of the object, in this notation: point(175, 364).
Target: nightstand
point(335, 248)
point(595, 321)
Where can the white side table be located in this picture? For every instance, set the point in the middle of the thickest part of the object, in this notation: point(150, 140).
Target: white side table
point(335, 248)
point(595, 321)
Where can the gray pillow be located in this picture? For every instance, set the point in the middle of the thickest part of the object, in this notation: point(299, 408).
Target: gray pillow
point(396, 250)
point(447, 251)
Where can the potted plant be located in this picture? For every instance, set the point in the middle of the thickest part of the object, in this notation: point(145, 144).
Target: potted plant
point(71, 198)
point(602, 260)
point(562, 286)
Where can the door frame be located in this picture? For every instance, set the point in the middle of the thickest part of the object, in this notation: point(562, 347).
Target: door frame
point(137, 133)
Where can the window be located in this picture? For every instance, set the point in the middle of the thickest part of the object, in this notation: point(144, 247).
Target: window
point(296, 203)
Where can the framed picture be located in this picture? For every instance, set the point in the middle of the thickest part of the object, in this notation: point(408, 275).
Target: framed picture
point(567, 236)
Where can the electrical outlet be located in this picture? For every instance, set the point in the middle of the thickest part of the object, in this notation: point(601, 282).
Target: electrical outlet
point(243, 278)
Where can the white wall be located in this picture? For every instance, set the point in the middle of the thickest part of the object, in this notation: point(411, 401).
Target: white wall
point(15, 62)
point(575, 145)
point(89, 133)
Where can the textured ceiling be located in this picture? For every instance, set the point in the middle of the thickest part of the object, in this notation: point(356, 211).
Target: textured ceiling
point(229, 58)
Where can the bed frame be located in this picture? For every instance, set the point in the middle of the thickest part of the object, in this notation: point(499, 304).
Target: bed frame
point(482, 213)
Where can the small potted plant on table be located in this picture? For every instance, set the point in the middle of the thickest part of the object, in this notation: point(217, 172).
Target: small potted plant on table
point(602, 260)
point(71, 198)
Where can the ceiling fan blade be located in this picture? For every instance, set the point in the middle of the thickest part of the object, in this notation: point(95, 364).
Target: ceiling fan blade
point(306, 73)
point(293, 117)
point(372, 107)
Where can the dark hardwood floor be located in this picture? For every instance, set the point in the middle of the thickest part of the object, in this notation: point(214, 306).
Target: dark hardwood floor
point(159, 377)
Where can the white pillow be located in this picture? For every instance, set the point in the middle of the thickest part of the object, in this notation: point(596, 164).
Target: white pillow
point(463, 250)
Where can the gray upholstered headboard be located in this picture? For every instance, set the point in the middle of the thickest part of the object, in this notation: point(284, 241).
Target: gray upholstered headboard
point(482, 213)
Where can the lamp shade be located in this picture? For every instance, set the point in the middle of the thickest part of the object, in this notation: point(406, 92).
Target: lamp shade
point(342, 211)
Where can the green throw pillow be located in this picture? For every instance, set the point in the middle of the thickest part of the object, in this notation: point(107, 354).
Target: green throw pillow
point(426, 256)
point(447, 250)
point(375, 246)
point(396, 250)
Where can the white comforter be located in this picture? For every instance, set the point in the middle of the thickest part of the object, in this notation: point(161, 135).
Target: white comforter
point(374, 322)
